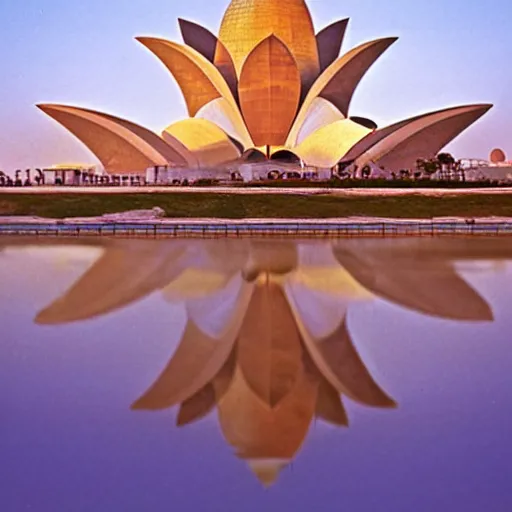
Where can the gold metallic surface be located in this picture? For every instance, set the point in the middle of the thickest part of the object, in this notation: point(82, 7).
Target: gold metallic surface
point(339, 81)
point(269, 92)
point(204, 42)
point(247, 22)
point(224, 63)
point(206, 141)
point(200, 81)
point(121, 146)
point(329, 144)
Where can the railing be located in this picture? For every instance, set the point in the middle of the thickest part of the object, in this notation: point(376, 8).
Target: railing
point(234, 229)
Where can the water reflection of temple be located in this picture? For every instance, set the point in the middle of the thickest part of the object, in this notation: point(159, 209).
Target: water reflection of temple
point(267, 344)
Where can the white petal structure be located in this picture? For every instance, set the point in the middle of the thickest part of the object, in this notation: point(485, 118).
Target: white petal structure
point(401, 144)
point(205, 140)
point(274, 86)
point(120, 145)
point(339, 81)
point(223, 114)
point(321, 113)
point(325, 147)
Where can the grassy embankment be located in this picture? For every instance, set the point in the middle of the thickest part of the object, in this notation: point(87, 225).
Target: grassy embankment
point(256, 206)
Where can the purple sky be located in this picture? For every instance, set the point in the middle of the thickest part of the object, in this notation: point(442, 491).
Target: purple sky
point(450, 52)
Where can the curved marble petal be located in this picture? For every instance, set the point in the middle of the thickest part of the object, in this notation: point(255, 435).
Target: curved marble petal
point(341, 365)
point(319, 313)
point(338, 82)
point(199, 358)
point(204, 401)
point(197, 406)
point(199, 80)
point(325, 147)
point(329, 41)
point(124, 274)
point(424, 143)
point(384, 141)
point(329, 406)
point(259, 432)
point(199, 38)
point(321, 114)
point(195, 283)
point(335, 356)
point(247, 22)
point(269, 92)
point(269, 344)
point(277, 257)
point(223, 114)
point(432, 287)
point(204, 42)
point(205, 140)
point(224, 63)
point(120, 145)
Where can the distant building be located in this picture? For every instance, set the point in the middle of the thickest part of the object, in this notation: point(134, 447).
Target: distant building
point(69, 174)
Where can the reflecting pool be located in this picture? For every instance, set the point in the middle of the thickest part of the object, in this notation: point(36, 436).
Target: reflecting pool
point(219, 375)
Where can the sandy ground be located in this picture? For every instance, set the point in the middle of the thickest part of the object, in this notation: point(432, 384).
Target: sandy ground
point(348, 192)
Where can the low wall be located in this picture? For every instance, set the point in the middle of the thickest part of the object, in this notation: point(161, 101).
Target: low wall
point(233, 229)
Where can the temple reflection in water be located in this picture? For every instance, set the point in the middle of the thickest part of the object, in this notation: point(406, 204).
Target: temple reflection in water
point(267, 342)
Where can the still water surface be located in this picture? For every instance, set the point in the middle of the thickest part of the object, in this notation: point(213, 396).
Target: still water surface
point(219, 375)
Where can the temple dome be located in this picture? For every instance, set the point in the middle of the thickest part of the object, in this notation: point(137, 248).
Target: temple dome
point(247, 22)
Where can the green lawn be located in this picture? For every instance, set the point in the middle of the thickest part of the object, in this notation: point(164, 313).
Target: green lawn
point(255, 205)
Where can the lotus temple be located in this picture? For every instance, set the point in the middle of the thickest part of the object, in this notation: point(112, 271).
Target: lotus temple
point(268, 90)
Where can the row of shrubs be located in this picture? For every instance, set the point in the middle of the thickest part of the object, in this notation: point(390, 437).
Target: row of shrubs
point(376, 183)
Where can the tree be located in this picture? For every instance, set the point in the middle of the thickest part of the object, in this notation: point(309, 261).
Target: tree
point(446, 163)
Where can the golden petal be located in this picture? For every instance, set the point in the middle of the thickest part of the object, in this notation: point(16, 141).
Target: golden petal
point(326, 147)
point(205, 140)
point(247, 22)
point(257, 431)
point(269, 92)
point(197, 406)
point(203, 41)
point(269, 345)
point(204, 401)
point(329, 406)
point(200, 81)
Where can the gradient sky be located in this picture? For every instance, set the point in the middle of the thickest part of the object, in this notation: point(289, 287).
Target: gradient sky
point(450, 52)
